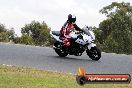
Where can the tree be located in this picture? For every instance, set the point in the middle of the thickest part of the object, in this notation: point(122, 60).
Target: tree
point(11, 34)
point(4, 37)
point(39, 32)
point(5, 34)
point(2, 28)
point(116, 30)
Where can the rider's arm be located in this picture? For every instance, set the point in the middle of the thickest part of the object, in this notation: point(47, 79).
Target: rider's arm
point(76, 27)
point(79, 29)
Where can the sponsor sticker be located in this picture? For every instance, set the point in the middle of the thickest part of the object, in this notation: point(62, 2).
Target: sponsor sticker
point(83, 78)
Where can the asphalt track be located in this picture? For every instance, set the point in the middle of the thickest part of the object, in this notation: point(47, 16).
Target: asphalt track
point(45, 58)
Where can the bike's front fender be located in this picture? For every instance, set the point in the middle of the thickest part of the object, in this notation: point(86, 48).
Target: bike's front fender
point(91, 45)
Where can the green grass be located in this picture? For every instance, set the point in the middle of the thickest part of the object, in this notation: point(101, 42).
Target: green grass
point(23, 77)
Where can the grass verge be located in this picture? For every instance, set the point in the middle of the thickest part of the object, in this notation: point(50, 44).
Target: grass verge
point(24, 77)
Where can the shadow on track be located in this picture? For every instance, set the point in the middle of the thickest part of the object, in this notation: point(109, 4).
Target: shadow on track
point(72, 58)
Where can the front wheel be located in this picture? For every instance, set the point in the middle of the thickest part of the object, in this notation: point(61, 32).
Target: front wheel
point(94, 53)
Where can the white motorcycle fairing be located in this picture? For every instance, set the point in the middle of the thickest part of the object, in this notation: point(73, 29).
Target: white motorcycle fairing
point(56, 37)
point(91, 45)
point(87, 39)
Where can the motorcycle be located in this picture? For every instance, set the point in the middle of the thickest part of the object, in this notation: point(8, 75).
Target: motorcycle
point(80, 41)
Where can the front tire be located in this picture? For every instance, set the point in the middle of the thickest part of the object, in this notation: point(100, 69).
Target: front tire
point(60, 50)
point(94, 53)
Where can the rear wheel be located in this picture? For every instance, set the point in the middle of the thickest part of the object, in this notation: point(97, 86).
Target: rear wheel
point(60, 50)
point(94, 53)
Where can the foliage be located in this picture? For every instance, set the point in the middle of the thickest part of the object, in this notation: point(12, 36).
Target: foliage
point(5, 34)
point(115, 33)
point(24, 39)
point(4, 37)
point(39, 32)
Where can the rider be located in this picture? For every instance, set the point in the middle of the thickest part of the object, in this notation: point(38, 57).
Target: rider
point(66, 29)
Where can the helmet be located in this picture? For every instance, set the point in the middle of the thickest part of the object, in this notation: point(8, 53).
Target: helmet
point(71, 18)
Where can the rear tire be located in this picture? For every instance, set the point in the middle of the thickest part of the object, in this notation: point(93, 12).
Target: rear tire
point(94, 53)
point(61, 54)
point(60, 50)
